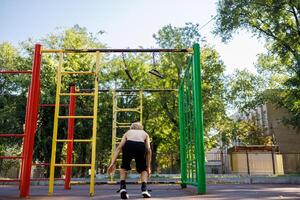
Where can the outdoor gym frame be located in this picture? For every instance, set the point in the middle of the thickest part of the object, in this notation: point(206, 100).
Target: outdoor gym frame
point(194, 138)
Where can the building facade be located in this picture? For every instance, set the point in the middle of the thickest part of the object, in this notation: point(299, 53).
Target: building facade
point(272, 120)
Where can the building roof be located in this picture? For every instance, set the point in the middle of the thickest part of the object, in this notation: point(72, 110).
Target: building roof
point(253, 148)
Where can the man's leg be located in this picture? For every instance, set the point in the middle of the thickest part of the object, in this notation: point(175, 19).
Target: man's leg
point(123, 174)
point(144, 178)
point(123, 191)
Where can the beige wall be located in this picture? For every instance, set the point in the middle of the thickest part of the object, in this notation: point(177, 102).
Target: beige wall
point(260, 163)
point(287, 138)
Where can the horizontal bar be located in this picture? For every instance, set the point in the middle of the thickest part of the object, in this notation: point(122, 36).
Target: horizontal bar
point(189, 50)
point(76, 117)
point(11, 157)
point(77, 94)
point(127, 110)
point(53, 105)
point(32, 179)
point(15, 72)
point(77, 72)
point(127, 94)
point(9, 180)
point(130, 90)
point(123, 123)
point(72, 165)
point(76, 140)
point(123, 126)
point(41, 164)
point(11, 135)
point(44, 179)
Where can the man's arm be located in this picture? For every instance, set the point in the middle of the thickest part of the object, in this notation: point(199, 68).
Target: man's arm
point(149, 154)
point(111, 168)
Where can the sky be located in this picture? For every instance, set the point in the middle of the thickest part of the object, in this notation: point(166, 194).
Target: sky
point(129, 23)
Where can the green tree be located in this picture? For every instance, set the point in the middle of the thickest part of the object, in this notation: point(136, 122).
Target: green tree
point(13, 91)
point(173, 65)
point(278, 21)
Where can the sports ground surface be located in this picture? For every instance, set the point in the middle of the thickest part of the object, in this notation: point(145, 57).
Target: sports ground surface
point(162, 191)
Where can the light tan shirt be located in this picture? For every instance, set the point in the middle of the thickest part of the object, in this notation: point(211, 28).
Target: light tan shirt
point(136, 135)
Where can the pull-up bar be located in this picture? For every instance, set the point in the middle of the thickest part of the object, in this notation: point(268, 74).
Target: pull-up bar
point(129, 90)
point(189, 50)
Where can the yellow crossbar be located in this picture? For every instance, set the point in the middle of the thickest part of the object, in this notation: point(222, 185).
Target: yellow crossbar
point(78, 72)
point(77, 94)
point(128, 110)
point(124, 123)
point(76, 140)
point(72, 165)
point(76, 117)
point(122, 126)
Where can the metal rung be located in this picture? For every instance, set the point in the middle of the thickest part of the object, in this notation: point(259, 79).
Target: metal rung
point(11, 157)
point(72, 165)
point(77, 94)
point(78, 72)
point(11, 135)
point(76, 117)
point(123, 126)
point(123, 123)
point(128, 110)
point(76, 140)
point(120, 95)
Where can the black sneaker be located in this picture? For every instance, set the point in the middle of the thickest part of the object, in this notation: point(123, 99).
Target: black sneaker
point(146, 194)
point(124, 194)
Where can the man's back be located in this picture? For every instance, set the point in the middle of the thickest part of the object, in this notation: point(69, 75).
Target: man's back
point(136, 135)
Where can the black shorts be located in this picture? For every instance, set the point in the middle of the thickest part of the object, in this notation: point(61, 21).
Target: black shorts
point(136, 150)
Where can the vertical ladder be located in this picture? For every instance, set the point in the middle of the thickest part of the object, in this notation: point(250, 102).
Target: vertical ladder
point(115, 124)
point(60, 72)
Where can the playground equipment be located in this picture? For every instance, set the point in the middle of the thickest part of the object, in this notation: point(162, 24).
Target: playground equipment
point(30, 122)
point(190, 112)
point(117, 126)
point(191, 126)
point(121, 125)
point(61, 72)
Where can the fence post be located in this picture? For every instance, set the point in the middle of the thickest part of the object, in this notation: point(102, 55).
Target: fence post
point(198, 117)
point(248, 167)
point(182, 138)
point(273, 161)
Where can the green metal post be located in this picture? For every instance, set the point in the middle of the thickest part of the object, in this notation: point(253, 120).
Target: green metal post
point(198, 117)
point(182, 138)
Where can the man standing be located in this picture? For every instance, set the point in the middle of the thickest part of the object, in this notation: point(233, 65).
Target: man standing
point(135, 144)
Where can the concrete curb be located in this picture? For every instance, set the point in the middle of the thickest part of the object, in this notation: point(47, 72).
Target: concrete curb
point(210, 180)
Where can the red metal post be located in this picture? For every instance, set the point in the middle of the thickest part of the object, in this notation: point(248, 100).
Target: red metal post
point(71, 122)
point(30, 123)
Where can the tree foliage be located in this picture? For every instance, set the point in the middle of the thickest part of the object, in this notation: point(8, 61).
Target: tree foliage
point(278, 21)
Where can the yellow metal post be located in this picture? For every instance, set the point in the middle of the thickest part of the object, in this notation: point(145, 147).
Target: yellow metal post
point(92, 181)
point(141, 106)
point(114, 131)
point(55, 126)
